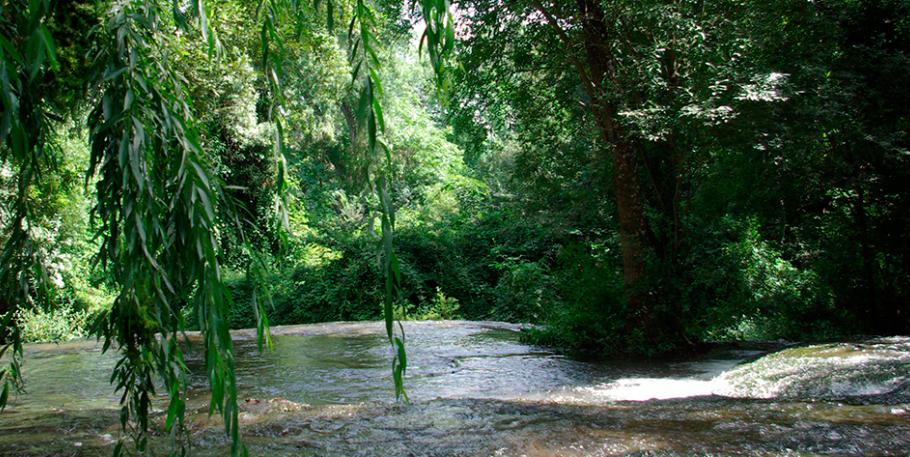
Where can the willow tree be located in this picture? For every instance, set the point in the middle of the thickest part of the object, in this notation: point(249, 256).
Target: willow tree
point(160, 206)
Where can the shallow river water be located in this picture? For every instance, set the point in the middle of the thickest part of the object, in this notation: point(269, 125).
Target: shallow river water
point(476, 390)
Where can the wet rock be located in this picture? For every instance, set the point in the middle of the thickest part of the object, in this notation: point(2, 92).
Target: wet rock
point(829, 371)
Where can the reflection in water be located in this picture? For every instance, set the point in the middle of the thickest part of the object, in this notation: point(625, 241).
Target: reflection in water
point(477, 390)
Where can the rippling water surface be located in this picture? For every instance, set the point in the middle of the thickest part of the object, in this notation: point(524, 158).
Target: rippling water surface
point(325, 390)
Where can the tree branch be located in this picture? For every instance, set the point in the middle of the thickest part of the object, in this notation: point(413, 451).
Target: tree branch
point(553, 22)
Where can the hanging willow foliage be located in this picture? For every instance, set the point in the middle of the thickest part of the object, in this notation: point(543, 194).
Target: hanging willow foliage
point(160, 206)
point(438, 37)
point(27, 56)
point(364, 53)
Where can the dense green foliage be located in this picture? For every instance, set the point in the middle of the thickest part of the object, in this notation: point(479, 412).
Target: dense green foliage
point(167, 220)
point(638, 177)
point(772, 151)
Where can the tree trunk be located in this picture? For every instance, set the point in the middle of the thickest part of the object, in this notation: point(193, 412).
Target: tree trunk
point(626, 179)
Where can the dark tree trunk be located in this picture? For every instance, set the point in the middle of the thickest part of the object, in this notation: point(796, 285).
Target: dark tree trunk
point(626, 179)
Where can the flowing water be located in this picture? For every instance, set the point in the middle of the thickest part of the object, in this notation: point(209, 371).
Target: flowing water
point(476, 390)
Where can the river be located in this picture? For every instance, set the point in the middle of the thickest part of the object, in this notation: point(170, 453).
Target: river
point(477, 390)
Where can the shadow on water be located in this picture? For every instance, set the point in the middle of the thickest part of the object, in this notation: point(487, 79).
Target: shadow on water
point(325, 391)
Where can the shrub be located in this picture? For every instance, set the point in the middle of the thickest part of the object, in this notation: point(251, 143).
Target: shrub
point(523, 292)
point(441, 307)
point(744, 288)
point(61, 324)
